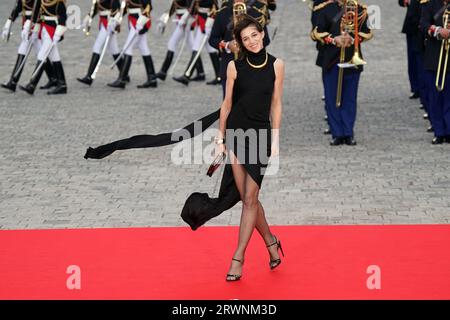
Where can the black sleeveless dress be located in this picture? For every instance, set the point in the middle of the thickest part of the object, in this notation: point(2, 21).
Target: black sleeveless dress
point(252, 97)
point(248, 133)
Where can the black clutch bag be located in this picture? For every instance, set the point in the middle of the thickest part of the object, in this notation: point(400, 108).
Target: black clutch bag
point(216, 164)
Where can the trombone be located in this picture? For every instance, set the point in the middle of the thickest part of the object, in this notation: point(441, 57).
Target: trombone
point(350, 23)
point(443, 56)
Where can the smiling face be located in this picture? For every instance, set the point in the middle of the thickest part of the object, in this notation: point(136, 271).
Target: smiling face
point(252, 39)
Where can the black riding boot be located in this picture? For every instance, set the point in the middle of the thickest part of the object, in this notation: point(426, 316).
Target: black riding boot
point(121, 81)
point(216, 65)
point(120, 66)
point(151, 76)
point(200, 71)
point(87, 78)
point(184, 79)
point(51, 75)
point(31, 86)
point(162, 74)
point(61, 87)
point(12, 83)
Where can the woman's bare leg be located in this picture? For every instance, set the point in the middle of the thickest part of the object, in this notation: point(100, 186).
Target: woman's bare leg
point(264, 230)
point(249, 195)
point(261, 223)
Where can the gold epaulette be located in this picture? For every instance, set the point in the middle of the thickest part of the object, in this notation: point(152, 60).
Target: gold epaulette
point(322, 5)
point(424, 1)
point(147, 11)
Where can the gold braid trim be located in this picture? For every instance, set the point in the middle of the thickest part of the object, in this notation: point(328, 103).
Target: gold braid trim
point(319, 36)
point(322, 5)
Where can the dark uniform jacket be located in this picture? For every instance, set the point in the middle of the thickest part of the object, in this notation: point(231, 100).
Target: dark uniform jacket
point(328, 24)
point(432, 13)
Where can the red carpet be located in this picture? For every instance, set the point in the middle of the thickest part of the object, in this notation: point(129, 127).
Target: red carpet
point(322, 262)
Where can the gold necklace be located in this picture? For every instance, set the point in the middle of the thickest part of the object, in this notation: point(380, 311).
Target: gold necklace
point(258, 66)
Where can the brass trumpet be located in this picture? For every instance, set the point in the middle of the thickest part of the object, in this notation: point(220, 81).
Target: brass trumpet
point(351, 20)
point(443, 56)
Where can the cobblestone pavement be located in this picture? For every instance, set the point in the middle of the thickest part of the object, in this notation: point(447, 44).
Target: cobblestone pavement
point(393, 176)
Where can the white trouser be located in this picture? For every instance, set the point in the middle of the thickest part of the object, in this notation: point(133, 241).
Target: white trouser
point(177, 36)
point(198, 38)
point(24, 45)
point(46, 45)
point(140, 40)
point(113, 47)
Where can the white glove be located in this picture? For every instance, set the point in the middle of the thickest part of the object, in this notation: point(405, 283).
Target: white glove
point(162, 22)
point(26, 30)
point(59, 32)
point(184, 18)
point(35, 32)
point(6, 29)
point(142, 21)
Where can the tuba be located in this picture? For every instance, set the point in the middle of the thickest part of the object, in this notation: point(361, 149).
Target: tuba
point(351, 21)
point(443, 56)
point(238, 9)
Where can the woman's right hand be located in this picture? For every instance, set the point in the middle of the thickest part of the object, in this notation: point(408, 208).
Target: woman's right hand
point(220, 149)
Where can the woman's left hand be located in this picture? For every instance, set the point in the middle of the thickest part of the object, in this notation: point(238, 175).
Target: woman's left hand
point(275, 150)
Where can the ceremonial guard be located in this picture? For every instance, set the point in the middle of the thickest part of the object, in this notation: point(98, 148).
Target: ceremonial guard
point(178, 9)
point(204, 12)
point(109, 23)
point(222, 31)
point(435, 23)
point(411, 29)
point(49, 21)
point(341, 27)
point(25, 8)
point(139, 23)
point(317, 5)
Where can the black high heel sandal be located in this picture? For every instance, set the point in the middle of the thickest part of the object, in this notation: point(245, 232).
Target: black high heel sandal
point(273, 263)
point(235, 277)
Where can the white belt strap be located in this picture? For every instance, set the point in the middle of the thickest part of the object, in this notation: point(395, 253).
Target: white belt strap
point(180, 11)
point(135, 10)
point(204, 10)
point(28, 12)
point(48, 18)
point(105, 13)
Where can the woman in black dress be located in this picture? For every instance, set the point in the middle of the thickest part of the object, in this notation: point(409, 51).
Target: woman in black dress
point(250, 118)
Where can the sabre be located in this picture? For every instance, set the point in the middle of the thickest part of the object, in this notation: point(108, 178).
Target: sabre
point(43, 60)
point(97, 67)
point(183, 22)
point(122, 53)
point(9, 33)
point(194, 61)
point(209, 23)
point(183, 44)
point(94, 74)
point(22, 64)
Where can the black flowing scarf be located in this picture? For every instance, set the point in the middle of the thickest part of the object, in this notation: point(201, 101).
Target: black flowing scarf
point(199, 207)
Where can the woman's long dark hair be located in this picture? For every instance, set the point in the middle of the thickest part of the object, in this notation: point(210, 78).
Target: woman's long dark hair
point(243, 22)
